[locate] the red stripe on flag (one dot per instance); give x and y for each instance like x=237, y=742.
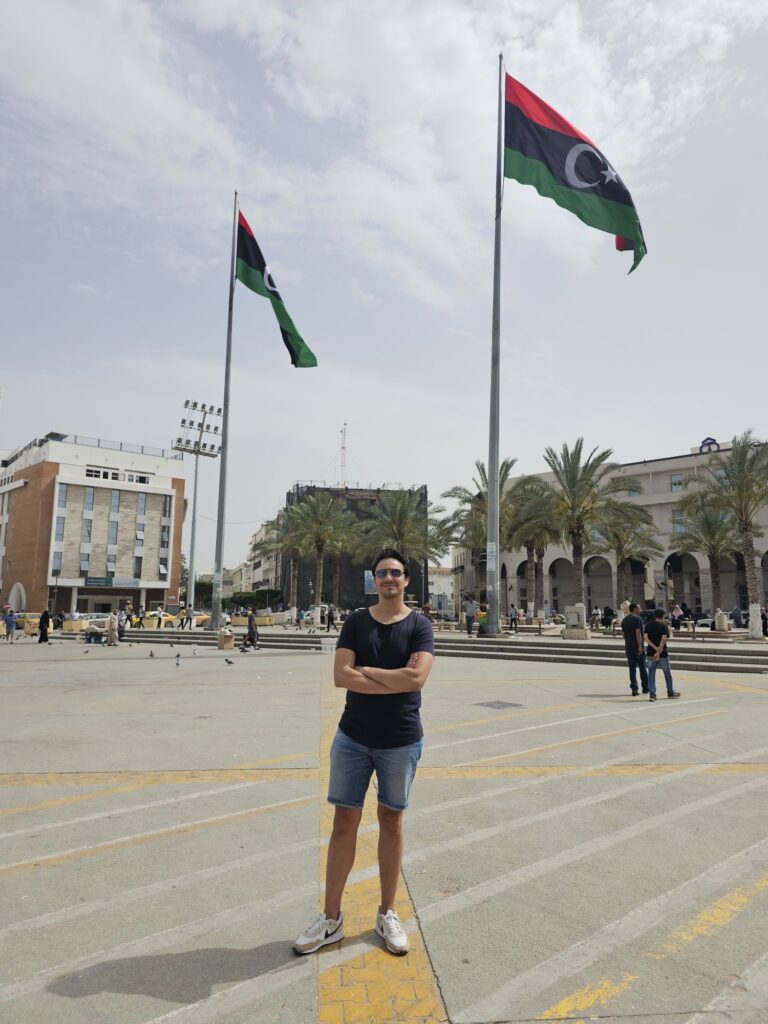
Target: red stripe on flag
x=538, y=111
x=244, y=223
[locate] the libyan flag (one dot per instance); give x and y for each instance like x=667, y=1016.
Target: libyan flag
x=542, y=149
x=251, y=268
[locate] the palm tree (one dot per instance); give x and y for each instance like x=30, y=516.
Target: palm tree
x=347, y=541
x=532, y=526
x=316, y=523
x=736, y=481
x=709, y=531
x=628, y=538
x=585, y=498
x=471, y=517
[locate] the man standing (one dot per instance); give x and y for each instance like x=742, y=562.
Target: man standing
x=512, y=618
x=471, y=608
x=332, y=613
x=657, y=634
x=383, y=658
x=632, y=628
x=10, y=625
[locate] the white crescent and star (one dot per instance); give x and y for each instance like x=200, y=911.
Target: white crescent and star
x=573, y=178
x=269, y=284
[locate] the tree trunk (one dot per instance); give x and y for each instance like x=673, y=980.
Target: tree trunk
x=294, y=584
x=539, y=601
x=714, y=573
x=336, y=578
x=753, y=581
x=319, y=552
x=620, y=581
x=578, y=567
x=530, y=580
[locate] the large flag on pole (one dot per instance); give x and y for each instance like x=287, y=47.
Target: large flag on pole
x=251, y=268
x=542, y=149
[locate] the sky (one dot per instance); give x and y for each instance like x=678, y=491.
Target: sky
x=361, y=137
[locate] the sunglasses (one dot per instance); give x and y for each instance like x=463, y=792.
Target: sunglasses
x=381, y=574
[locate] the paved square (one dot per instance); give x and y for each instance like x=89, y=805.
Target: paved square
x=571, y=852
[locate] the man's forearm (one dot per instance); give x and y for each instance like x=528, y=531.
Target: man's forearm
x=354, y=680
x=396, y=680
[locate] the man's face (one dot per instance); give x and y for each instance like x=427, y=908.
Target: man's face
x=388, y=585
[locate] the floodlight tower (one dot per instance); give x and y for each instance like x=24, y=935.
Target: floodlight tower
x=191, y=442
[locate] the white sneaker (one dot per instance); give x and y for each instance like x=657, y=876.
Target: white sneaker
x=322, y=932
x=389, y=928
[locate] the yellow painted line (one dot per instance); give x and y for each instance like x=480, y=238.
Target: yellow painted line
x=707, y=922
x=157, y=778
x=375, y=986
x=587, y=997
x=46, y=805
x=722, y=683
x=496, y=717
x=592, y=738
x=716, y=916
x=131, y=841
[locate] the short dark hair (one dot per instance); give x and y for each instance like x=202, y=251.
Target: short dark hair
x=634, y=607
x=658, y=613
x=390, y=553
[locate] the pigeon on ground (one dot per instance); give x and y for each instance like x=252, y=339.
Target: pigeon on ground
x=151, y=654
x=229, y=661
x=194, y=652
x=171, y=645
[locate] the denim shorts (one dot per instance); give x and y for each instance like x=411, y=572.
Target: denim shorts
x=352, y=765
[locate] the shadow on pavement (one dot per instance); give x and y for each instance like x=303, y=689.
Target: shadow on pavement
x=175, y=977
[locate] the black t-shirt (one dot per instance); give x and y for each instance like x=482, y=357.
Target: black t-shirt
x=655, y=631
x=391, y=720
x=629, y=627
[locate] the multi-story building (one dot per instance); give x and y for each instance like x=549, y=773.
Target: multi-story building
x=669, y=578
x=89, y=525
x=441, y=580
x=267, y=566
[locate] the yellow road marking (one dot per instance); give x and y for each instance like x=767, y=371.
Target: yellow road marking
x=375, y=986
x=150, y=837
x=717, y=915
x=588, y=997
x=592, y=738
x=499, y=717
x=157, y=778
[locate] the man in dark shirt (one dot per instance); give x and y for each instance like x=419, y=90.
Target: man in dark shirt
x=383, y=657
x=632, y=628
x=657, y=634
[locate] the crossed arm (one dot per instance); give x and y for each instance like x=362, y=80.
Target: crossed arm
x=381, y=681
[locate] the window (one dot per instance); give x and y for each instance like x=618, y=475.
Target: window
x=678, y=521
x=166, y=504
x=165, y=533
x=85, y=537
x=62, y=495
x=141, y=508
x=140, y=536
x=115, y=501
x=111, y=565
x=632, y=492
x=84, y=562
x=88, y=499
x=163, y=569
x=137, y=567
x=676, y=483
x=92, y=471
x=112, y=533
x=56, y=564
x=142, y=479
x=60, y=521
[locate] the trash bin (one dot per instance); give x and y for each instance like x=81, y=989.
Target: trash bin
x=328, y=645
x=226, y=640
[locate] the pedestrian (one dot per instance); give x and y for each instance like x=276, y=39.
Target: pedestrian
x=764, y=620
x=300, y=618
x=121, y=621
x=332, y=613
x=607, y=619
x=75, y=615
x=383, y=658
x=185, y=619
x=9, y=618
x=471, y=608
x=676, y=615
x=625, y=606
x=513, y=617
x=657, y=635
x=738, y=619
x=58, y=622
x=632, y=628
x=140, y=617
x=252, y=636
x=113, y=630
x=44, y=626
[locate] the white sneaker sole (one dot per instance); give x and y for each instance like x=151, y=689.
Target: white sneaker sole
x=392, y=949
x=336, y=936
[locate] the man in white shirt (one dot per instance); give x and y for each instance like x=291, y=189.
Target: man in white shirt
x=471, y=608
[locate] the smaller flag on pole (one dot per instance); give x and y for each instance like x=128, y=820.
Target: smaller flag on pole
x=252, y=270
x=542, y=149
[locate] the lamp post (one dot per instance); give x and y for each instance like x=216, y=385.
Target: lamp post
x=191, y=442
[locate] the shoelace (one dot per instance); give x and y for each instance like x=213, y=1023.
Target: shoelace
x=392, y=924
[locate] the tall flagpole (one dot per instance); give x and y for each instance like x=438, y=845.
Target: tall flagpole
x=492, y=551
x=220, y=515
